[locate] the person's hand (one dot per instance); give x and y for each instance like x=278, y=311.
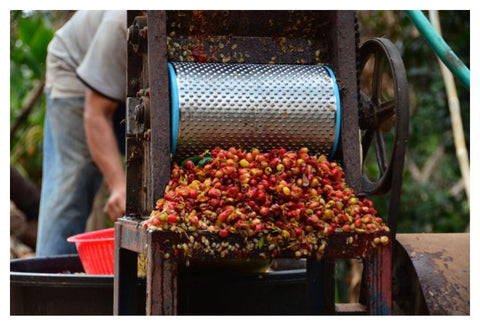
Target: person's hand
x=115, y=206
x=103, y=147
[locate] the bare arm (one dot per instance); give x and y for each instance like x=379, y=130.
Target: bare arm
x=103, y=148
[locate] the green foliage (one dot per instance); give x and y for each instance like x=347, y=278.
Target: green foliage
x=430, y=206
x=30, y=34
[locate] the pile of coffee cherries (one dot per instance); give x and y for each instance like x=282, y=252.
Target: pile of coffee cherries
x=281, y=200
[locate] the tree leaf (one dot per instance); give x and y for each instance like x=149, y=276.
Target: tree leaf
x=39, y=44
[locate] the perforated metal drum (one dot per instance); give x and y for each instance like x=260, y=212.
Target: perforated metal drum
x=253, y=106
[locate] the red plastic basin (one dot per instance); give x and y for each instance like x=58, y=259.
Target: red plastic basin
x=96, y=250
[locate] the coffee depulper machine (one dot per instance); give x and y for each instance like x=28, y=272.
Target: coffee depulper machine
x=264, y=79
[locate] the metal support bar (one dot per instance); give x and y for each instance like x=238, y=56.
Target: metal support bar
x=161, y=281
x=159, y=151
x=320, y=287
x=378, y=275
x=125, y=280
x=345, y=67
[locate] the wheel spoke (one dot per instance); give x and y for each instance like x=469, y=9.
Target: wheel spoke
x=386, y=110
x=364, y=100
x=385, y=115
x=366, y=142
x=380, y=151
x=377, y=78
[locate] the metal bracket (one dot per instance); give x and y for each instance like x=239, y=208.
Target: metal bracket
x=137, y=34
x=138, y=116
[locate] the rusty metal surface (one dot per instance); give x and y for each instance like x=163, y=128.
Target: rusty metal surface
x=134, y=59
x=158, y=154
x=378, y=276
x=126, y=294
x=407, y=295
x=134, y=148
x=131, y=235
x=137, y=138
x=288, y=23
x=161, y=281
x=249, y=36
x=163, y=251
x=291, y=37
x=212, y=246
x=442, y=266
x=343, y=48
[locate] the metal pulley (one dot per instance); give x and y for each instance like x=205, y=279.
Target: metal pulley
x=383, y=112
x=383, y=120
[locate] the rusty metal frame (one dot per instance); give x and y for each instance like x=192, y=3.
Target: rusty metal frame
x=345, y=55
x=162, y=278
x=148, y=153
x=149, y=165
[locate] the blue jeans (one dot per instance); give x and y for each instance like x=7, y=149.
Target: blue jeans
x=70, y=177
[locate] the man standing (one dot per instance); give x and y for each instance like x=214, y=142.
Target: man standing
x=85, y=82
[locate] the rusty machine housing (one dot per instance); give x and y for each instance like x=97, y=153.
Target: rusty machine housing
x=331, y=38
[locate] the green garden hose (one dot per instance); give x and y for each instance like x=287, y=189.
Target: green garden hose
x=441, y=48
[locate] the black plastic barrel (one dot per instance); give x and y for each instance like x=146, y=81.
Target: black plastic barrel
x=271, y=293
x=58, y=286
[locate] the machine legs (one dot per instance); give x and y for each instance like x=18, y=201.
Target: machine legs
x=161, y=283
x=162, y=280
x=320, y=287
x=378, y=279
x=125, y=301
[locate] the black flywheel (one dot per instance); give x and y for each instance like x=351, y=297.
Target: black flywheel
x=383, y=114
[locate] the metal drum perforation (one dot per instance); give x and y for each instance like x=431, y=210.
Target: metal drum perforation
x=254, y=106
